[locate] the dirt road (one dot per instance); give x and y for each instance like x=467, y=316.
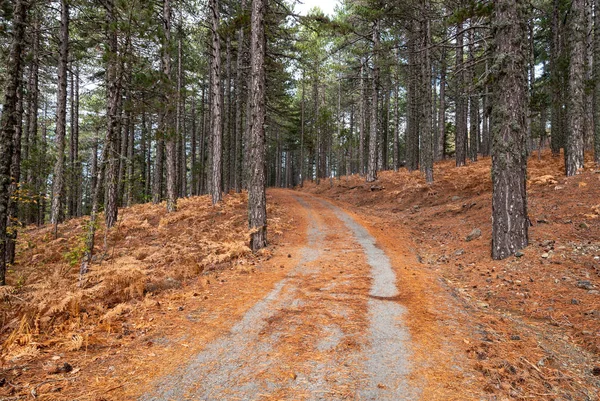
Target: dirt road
x=332, y=329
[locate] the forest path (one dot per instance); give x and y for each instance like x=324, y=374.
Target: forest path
x=332, y=329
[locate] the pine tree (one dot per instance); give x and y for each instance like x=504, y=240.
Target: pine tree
x=510, y=222
x=257, y=202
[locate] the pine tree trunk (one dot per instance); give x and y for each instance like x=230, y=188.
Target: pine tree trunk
x=372, y=166
x=257, y=203
x=426, y=111
x=203, y=147
x=32, y=176
x=114, y=82
x=473, y=101
x=441, y=137
x=157, y=181
x=15, y=175
x=556, y=140
x=413, y=88
x=575, y=133
x=228, y=142
x=130, y=162
x=596, y=70
x=194, y=148
x=485, y=132
x=363, y=121
x=170, y=136
x=61, y=118
x=302, y=112
x=510, y=222
x=217, y=108
x=396, y=156
x=239, y=107
x=461, y=123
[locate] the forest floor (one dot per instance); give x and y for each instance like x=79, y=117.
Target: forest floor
x=532, y=322
x=177, y=307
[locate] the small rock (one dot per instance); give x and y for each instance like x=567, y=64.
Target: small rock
x=547, y=243
x=64, y=368
x=476, y=233
x=575, y=301
x=593, y=292
x=585, y=285
x=180, y=308
x=459, y=252
x=519, y=254
x=545, y=255
x=482, y=305
x=596, y=370
x=515, y=337
x=584, y=226
x=543, y=221
x=568, y=222
x=455, y=198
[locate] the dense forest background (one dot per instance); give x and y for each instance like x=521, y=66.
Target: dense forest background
x=113, y=102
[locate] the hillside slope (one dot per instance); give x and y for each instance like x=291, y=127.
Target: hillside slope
x=535, y=318
x=62, y=340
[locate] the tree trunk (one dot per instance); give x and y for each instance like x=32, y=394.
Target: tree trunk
x=114, y=81
x=15, y=175
x=32, y=173
x=510, y=222
x=574, y=159
x=461, y=123
x=217, y=108
x=130, y=162
x=426, y=111
x=61, y=117
x=473, y=101
x=441, y=137
x=596, y=68
x=372, y=166
x=194, y=148
x=239, y=106
x=302, y=107
x=170, y=136
x=257, y=203
x=557, y=135
x=363, y=120
x=413, y=89
x=396, y=156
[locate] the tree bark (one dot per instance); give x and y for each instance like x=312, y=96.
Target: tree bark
x=15, y=176
x=473, y=101
x=426, y=111
x=510, y=222
x=372, y=166
x=557, y=135
x=574, y=159
x=217, y=108
x=61, y=118
x=596, y=73
x=396, y=156
x=114, y=81
x=363, y=120
x=461, y=124
x=32, y=174
x=170, y=136
x=239, y=106
x=441, y=137
x=257, y=203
